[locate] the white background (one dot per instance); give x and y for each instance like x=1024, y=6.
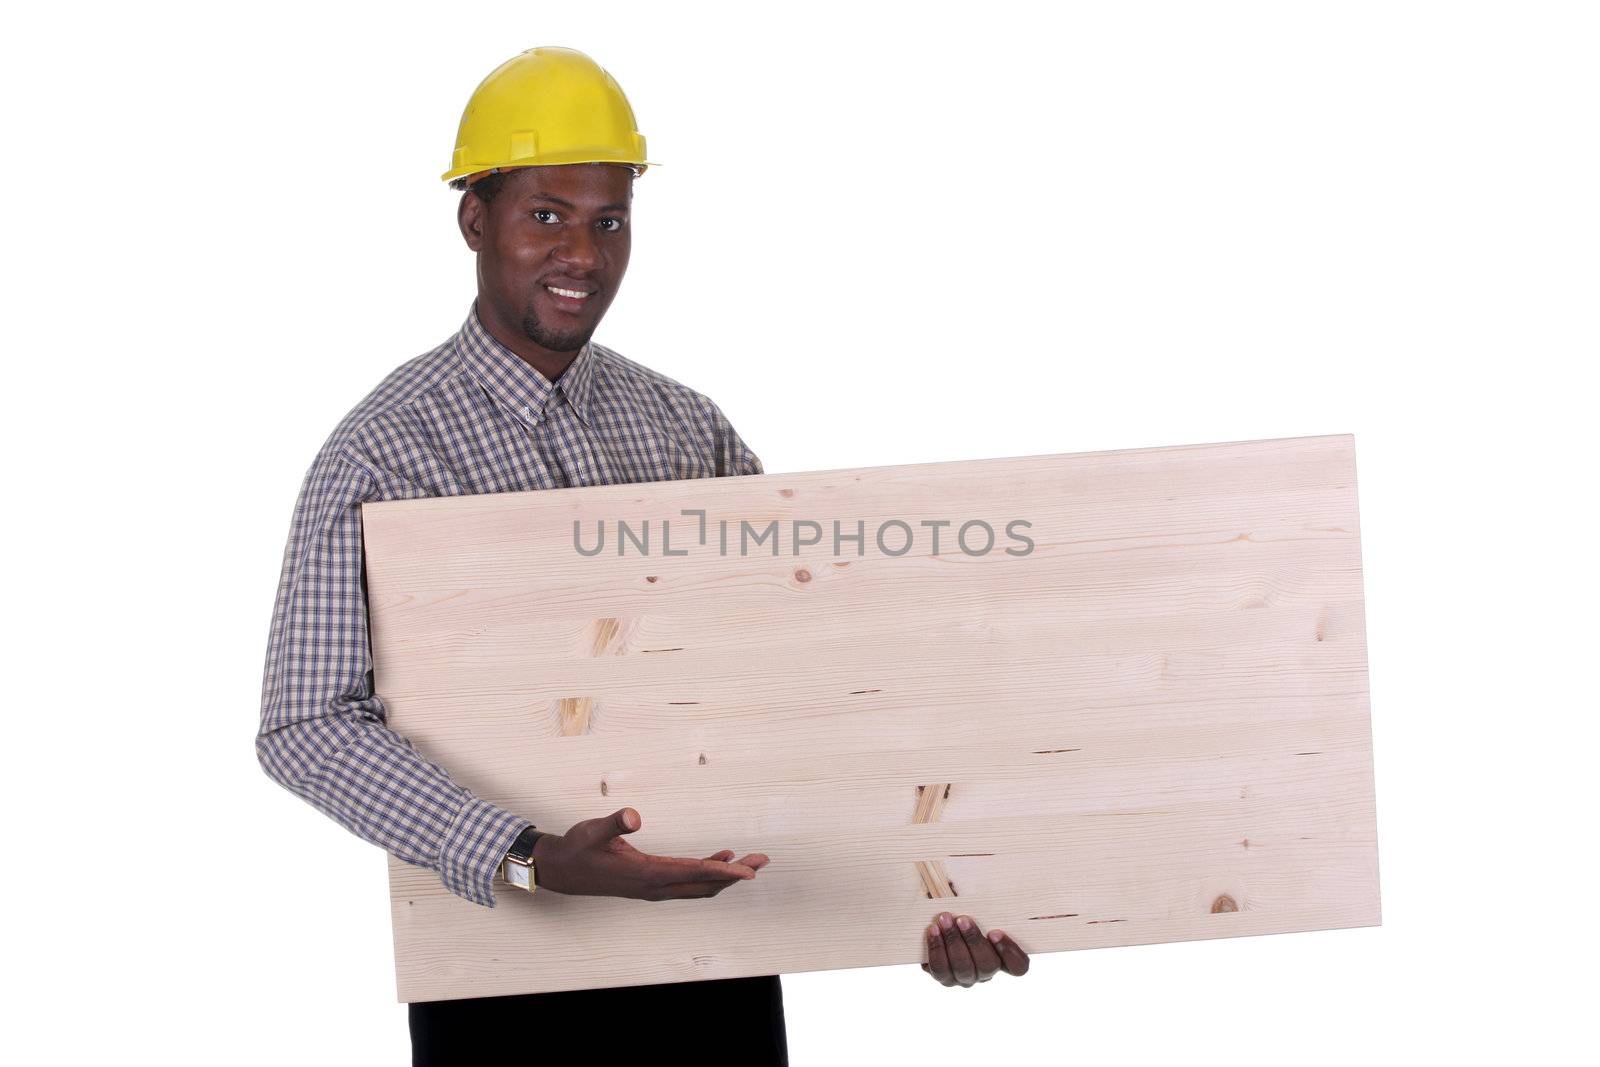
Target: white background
x=878, y=235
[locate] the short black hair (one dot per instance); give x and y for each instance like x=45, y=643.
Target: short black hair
x=485, y=187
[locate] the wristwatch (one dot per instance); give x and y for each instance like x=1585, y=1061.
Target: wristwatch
x=517, y=867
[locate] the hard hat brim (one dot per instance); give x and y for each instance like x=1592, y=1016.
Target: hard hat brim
x=479, y=168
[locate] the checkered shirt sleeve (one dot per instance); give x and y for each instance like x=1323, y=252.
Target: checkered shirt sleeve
x=322, y=731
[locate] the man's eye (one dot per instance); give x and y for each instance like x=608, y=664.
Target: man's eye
x=543, y=211
x=616, y=227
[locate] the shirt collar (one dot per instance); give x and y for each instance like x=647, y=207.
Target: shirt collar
x=514, y=383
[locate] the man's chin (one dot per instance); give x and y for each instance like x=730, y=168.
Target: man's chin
x=554, y=342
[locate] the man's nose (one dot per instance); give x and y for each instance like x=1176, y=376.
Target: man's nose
x=577, y=248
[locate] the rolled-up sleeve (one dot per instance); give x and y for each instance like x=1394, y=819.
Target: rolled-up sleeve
x=323, y=734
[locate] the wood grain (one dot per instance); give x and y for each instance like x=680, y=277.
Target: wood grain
x=1152, y=726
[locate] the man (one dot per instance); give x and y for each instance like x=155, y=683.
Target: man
x=519, y=399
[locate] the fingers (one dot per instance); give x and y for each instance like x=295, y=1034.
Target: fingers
x=960, y=954
x=666, y=869
x=955, y=948
x=686, y=890
x=1011, y=955
x=755, y=861
x=938, y=963
x=710, y=887
x=984, y=956
x=671, y=877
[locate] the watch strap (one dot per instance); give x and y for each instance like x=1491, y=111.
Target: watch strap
x=522, y=848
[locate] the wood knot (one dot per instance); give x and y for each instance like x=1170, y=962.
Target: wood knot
x=1224, y=903
x=573, y=715
x=650, y=577
x=702, y=759
x=786, y=492
x=802, y=575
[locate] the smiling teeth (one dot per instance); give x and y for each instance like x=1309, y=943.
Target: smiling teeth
x=575, y=294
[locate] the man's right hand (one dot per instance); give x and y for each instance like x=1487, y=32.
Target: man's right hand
x=592, y=859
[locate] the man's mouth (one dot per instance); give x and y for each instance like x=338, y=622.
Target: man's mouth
x=571, y=294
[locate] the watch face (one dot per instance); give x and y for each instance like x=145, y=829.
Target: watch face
x=517, y=875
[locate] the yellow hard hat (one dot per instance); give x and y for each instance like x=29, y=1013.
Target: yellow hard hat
x=546, y=106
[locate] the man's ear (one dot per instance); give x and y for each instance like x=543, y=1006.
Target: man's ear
x=472, y=215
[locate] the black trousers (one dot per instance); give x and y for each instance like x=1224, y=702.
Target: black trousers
x=739, y=1017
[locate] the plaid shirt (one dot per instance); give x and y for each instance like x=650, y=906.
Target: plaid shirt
x=468, y=417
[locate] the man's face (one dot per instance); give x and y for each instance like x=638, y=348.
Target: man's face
x=557, y=227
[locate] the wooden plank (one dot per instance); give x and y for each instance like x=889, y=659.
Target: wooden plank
x=1150, y=725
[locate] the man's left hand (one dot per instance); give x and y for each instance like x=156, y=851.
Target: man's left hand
x=959, y=953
